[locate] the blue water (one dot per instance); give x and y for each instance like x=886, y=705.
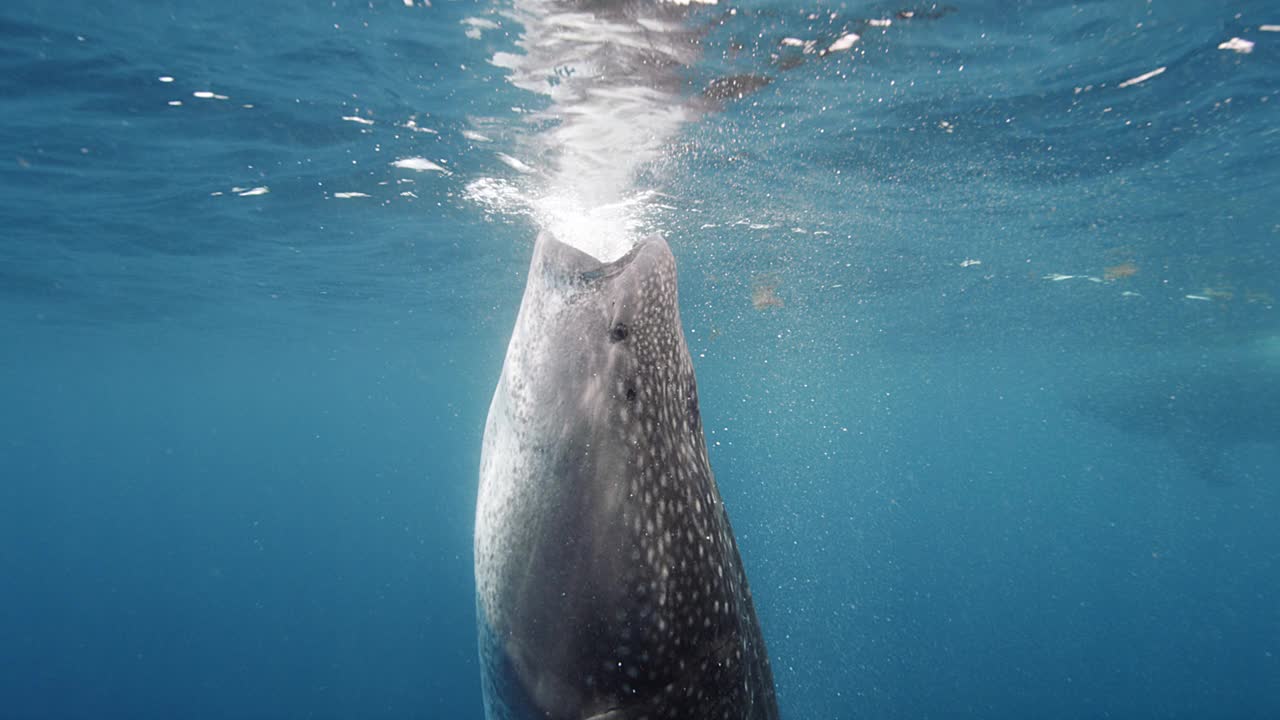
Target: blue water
x=241, y=428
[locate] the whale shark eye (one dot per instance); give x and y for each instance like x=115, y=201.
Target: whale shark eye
x=619, y=332
x=631, y=394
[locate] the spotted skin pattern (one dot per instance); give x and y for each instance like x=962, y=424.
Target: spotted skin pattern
x=609, y=584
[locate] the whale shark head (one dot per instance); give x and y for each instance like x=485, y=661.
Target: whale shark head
x=608, y=580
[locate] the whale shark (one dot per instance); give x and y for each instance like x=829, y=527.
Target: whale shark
x=1201, y=405
x=609, y=585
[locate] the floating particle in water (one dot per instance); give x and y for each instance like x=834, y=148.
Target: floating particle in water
x=1218, y=293
x=514, y=163
x=1118, y=272
x=844, y=43
x=764, y=292
x=1143, y=77
x=412, y=124
x=419, y=164
x=1240, y=45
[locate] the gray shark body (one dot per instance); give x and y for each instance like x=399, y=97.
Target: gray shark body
x=1201, y=406
x=608, y=580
